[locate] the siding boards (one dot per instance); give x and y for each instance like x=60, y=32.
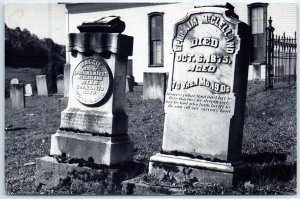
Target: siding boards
x=284, y=17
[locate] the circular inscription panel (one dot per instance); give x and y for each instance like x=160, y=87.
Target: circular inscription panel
x=91, y=81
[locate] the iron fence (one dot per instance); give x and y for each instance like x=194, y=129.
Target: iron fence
x=281, y=57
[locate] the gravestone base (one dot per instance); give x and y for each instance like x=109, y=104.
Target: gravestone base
x=103, y=149
x=181, y=169
x=94, y=121
x=81, y=176
x=137, y=186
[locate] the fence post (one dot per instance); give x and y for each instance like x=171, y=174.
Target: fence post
x=269, y=56
x=289, y=57
x=295, y=55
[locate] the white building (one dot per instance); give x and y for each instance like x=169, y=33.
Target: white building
x=152, y=26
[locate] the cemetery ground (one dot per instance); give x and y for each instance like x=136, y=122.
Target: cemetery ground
x=269, y=143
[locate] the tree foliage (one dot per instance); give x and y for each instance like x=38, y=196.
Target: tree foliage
x=23, y=49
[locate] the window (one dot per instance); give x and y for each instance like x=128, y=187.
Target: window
x=257, y=13
x=156, y=39
x=257, y=20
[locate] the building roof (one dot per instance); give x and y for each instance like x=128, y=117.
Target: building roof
x=90, y=7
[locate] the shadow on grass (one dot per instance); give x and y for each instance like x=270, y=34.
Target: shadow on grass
x=276, y=172
x=271, y=166
x=264, y=157
x=15, y=129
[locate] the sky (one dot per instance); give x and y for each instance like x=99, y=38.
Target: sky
x=46, y=20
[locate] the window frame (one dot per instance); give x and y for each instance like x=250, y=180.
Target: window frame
x=257, y=20
x=150, y=58
x=252, y=6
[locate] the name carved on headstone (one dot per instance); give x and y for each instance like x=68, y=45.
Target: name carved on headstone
x=94, y=124
x=204, y=48
x=91, y=81
x=205, y=101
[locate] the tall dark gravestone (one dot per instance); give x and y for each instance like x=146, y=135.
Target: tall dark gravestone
x=205, y=99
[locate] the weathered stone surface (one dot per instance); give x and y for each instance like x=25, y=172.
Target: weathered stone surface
x=129, y=83
x=181, y=168
x=205, y=100
x=207, y=88
x=17, y=96
x=28, y=90
x=81, y=179
x=139, y=187
x=111, y=24
x=94, y=122
x=129, y=77
x=91, y=81
x=14, y=81
x=256, y=72
x=102, y=42
x=129, y=68
x=103, y=150
x=41, y=84
x=154, y=86
x=67, y=68
x=60, y=84
x=108, y=102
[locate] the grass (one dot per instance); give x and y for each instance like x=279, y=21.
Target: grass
x=269, y=143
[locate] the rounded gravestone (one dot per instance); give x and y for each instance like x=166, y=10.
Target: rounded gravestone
x=91, y=81
x=14, y=81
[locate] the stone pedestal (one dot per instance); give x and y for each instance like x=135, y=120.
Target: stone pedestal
x=94, y=124
x=81, y=177
x=103, y=150
x=206, y=96
x=182, y=168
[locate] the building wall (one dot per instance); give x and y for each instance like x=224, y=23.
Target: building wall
x=284, y=16
x=136, y=20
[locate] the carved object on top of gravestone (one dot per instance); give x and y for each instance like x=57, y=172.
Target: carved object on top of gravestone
x=101, y=36
x=229, y=12
x=110, y=24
